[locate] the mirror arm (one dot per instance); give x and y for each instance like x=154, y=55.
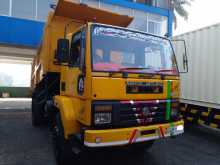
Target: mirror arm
x=84, y=70
x=185, y=59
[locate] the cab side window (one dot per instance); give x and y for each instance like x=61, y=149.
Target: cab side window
x=75, y=50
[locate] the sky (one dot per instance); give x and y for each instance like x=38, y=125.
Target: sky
x=202, y=13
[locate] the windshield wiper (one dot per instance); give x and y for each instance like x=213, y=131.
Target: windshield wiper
x=166, y=70
x=134, y=68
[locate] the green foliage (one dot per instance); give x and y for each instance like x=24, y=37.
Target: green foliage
x=178, y=6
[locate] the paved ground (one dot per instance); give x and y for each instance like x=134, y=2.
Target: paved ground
x=12, y=103
x=21, y=144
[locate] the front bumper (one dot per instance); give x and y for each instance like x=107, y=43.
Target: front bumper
x=125, y=136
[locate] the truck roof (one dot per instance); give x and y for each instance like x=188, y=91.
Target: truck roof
x=84, y=13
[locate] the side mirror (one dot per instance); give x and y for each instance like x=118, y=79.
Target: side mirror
x=185, y=62
x=62, y=53
x=179, y=48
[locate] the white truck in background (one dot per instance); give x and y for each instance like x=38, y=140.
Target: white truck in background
x=200, y=87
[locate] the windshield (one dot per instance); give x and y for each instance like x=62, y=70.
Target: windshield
x=119, y=50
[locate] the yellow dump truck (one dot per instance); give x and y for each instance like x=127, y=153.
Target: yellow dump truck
x=99, y=84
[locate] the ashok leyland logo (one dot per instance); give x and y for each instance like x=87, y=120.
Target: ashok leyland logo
x=80, y=85
x=146, y=111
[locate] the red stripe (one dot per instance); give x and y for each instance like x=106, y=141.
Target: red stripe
x=132, y=136
x=161, y=132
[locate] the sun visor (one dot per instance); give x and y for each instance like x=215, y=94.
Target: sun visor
x=84, y=13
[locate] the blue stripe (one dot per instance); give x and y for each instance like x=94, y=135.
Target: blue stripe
x=16, y=31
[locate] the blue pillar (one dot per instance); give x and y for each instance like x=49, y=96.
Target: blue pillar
x=170, y=23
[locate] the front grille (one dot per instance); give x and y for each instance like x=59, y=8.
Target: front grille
x=142, y=113
x=137, y=113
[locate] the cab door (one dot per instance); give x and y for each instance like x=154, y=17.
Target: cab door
x=73, y=77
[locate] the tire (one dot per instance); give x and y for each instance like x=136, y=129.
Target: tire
x=62, y=147
x=37, y=113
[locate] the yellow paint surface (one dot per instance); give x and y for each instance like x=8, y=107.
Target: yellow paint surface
x=112, y=135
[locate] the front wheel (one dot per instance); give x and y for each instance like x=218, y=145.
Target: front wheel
x=62, y=147
x=37, y=113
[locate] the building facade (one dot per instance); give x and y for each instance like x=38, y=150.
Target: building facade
x=22, y=22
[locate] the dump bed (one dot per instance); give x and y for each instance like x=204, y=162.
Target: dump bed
x=75, y=15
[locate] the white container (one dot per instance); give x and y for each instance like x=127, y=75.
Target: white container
x=201, y=85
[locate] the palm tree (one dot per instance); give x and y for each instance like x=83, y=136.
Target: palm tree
x=178, y=7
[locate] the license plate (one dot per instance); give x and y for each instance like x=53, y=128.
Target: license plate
x=171, y=131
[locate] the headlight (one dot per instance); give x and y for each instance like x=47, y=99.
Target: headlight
x=175, y=110
x=180, y=128
x=102, y=118
x=175, y=113
x=102, y=114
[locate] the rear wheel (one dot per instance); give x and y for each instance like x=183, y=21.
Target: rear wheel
x=62, y=147
x=37, y=113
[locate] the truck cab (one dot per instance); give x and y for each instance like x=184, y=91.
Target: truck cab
x=123, y=86
x=104, y=85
